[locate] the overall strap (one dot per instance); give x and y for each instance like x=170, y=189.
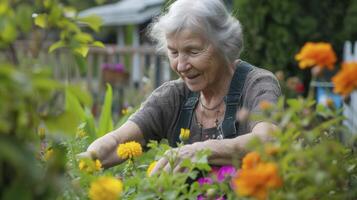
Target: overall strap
x=233, y=99
x=185, y=117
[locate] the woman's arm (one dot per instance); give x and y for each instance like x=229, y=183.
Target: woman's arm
x=105, y=147
x=223, y=151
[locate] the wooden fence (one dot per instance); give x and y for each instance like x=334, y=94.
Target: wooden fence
x=350, y=107
x=150, y=66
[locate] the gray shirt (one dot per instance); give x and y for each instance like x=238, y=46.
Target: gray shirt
x=158, y=115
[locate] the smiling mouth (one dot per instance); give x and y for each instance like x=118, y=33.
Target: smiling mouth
x=192, y=76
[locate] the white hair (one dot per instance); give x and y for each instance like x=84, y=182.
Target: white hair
x=209, y=18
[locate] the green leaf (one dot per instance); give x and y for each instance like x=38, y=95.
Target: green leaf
x=47, y=3
x=83, y=37
x=81, y=62
x=81, y=94
x=55, y=15
x=98, y=44
x=41, y=20
x=82, y=50
x=68, y=121
x=294, y=104
x=90, y=125
x=23, y=17
x=93, y=21
x=4, y=7
x=56, y=45
x=105, y=119
x=45, y=84
x=8, y=34
x=69, y=12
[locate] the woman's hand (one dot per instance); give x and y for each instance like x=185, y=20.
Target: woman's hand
x=105, y=147
x=174, y=157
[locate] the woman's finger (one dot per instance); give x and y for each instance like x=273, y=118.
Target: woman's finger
x=178, y=168
x=167, y=168
x=159, y=165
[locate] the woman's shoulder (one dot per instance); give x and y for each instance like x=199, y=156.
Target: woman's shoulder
x=177, y=86
x=259, y=80
x=258, y=72
x=174, y=89
x=259, y=75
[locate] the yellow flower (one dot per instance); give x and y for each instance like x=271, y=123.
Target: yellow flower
x=184, y=134
x=330, y=103
x=105, y=188
x=49, y=154
x=345, y=80
x=251, y=160
x=255, y=182
x=316, y=54
x=129, y=150
x=89, y=165
x=80, y=133
x=124, y=111
x=271, y=150
x=150, y=168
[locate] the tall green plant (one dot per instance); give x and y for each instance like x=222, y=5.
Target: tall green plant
x=33, y=158
x=105, y=120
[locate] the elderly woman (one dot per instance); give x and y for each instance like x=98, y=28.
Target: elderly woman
x=203, y=42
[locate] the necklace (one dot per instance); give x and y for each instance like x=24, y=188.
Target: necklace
x=216, y=121
x=204, y=116
x=206, y=133
x=213, y=108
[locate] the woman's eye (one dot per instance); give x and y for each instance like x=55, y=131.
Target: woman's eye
x=194, y=52
x=174, y=53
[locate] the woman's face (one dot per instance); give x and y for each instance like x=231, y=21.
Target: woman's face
x=194, y=59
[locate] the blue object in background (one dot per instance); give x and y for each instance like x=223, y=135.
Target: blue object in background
x=325, y=93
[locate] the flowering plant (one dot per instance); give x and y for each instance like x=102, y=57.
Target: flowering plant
x=345, y=80
x=319, y=54
x=312, y=156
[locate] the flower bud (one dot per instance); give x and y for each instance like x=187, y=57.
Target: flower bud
x=184, y=134
x=41, y=133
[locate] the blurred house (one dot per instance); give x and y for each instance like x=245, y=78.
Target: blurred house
x=140, y=55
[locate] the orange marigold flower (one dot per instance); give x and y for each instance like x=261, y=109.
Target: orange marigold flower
x=250, y=160
x=255, y=182
x=316, y=54
x=345, y=80
x=265, y=105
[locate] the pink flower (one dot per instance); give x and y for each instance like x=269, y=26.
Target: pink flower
x=224, y=172
x=204, y=180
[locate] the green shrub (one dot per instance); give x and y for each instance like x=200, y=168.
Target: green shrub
x=275, y=30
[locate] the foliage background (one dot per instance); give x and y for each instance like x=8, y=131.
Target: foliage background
x=275, y=30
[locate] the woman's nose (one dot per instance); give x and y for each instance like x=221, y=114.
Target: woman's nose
x=182, y=64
